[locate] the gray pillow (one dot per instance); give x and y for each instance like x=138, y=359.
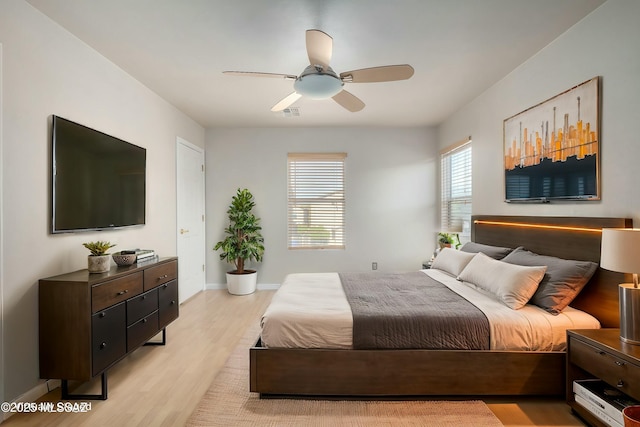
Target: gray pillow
x=495, y=252
x=562, y=282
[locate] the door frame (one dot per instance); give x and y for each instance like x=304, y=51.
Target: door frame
x=2, y=376
x=200, y=150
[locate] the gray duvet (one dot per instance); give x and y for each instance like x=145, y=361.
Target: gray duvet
x=411, y=311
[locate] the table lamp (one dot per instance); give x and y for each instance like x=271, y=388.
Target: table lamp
x=620, y=251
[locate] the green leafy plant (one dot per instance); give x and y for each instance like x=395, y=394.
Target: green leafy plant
x=448, y=239
x=98, y=248
x=244, y=240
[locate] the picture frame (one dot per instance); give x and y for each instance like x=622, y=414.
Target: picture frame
x=552, y=150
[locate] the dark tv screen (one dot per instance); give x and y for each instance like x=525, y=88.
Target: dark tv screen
x=98, y=181
x=572, y=178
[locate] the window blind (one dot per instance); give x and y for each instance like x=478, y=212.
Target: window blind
x=316, y=200
x=456, y=188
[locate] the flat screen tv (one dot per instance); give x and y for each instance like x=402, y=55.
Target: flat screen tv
x=98, y=181
x=551, y=149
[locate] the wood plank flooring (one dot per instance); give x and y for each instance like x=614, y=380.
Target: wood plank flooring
x=160, y=386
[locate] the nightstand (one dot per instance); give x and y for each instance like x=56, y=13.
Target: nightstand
x=599, y=353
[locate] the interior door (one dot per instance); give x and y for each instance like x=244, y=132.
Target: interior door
x=190, y=219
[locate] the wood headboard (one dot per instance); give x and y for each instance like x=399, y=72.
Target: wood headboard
x=563, y=237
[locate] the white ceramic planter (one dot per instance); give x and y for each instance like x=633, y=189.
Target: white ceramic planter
x=242, y=284
x=98, y=263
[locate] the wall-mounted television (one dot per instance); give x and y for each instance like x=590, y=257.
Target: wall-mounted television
x=98, y=181
x=551, y=149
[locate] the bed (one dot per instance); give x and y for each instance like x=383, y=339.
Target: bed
x=335, y=371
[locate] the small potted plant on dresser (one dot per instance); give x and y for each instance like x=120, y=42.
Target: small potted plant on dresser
x=99, y=261
x=243, y=242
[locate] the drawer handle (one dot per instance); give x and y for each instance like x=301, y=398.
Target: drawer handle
x=144, y=320
x=173, y=302
x=103, y=314
x=103, y=345
x=164, y=276
x=144, y=297
x=619, y=363
x=601, y=353
x=126, y=291
x=620, y=383
x=165, y=286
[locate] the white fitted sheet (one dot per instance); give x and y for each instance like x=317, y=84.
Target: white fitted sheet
x=310, y=310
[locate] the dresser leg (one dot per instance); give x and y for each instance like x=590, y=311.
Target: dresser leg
x=67, y=396
x=164, y=339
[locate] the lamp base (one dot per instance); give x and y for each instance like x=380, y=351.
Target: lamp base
x=629, y=313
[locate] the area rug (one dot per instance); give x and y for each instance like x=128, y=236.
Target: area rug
x=228, y=402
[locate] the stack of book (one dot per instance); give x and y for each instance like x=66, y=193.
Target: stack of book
x=141, y=254
x=602, y=400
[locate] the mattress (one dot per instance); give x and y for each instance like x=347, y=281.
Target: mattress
x=310, y=310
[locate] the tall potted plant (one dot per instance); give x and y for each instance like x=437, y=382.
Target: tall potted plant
x=243, y=242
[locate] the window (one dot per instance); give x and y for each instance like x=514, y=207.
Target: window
x=456, y=188
x=315, y=212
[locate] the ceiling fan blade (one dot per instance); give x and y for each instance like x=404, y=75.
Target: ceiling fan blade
x=387, y=73
x=286, y=101
x=319, y=48
x=349, y=101
x=252, y=74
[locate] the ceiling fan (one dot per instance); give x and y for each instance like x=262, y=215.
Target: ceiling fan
x=319, y=81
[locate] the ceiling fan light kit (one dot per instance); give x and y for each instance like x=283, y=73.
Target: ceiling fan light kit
x=316, y=84
x=319, y=81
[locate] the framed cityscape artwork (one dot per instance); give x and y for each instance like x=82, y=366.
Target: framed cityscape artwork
x=551, y=150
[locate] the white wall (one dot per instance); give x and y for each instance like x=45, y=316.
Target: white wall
x=390, y=186
x=605, y=44
x=48, y=71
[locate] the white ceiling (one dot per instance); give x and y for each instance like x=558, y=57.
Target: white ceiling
x=179, y=48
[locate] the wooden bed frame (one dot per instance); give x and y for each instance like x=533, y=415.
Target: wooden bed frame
x=380, y=373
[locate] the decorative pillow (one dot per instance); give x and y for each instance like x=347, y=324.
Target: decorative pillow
x=495, y=252
x=452, y=261
x=562, y=282
x=513, y=284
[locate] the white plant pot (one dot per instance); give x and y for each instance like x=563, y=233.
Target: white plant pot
x=242, y=284
x=98, y=263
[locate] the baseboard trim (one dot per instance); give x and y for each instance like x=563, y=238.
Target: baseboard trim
x=42, y=388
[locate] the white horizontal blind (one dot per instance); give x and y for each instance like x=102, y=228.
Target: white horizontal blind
x=456, y=187
x=315, y=213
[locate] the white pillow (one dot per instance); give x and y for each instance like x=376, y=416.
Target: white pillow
x=513, y=284
x=452, y=261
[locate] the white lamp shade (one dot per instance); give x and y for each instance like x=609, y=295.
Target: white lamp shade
x=620, y=250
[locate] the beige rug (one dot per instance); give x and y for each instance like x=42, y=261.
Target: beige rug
x=228, y=402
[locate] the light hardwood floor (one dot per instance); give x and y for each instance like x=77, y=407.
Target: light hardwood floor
x=160, y=386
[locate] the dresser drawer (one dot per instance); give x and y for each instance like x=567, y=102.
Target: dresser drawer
x=142, y=330
x=114, y=291
x=167, y=303
x=108, y=342
x=617, y=372
x=160, y=274
x=141, y=306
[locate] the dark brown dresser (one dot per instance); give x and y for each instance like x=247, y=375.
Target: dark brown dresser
x=88, y=322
